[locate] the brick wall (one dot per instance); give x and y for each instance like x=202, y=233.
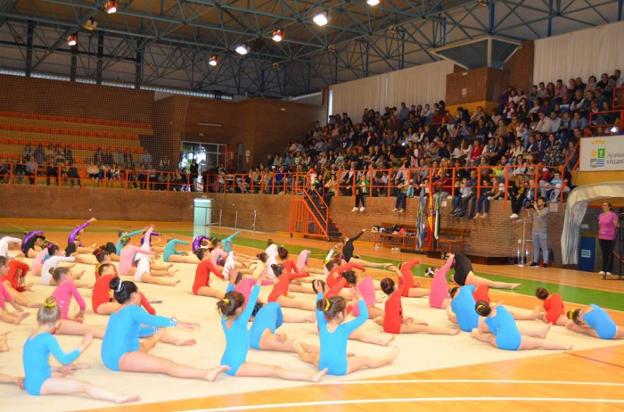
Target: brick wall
x=495, y=236
x=60, y=98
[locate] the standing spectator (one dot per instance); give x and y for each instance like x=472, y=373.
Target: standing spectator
x=516, y=194
x=403, y=187
x=69, y=155
x=539, y=232
x=28, y=152
x=361, y=191
x=31, y=169
x=194, y=169
x=607, y=223
x=39, y=154
x=146, y=159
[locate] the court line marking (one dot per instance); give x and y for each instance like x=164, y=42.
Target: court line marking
x=405, y=400
x=576, y=355
x=495, y=381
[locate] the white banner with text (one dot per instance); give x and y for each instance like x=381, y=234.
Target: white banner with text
x=602, y=153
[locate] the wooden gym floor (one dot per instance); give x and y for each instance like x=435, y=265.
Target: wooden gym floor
x=579, y=380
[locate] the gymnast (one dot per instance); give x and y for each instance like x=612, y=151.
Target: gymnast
x=41, y=379
x=465, y=276
x=505, y=334
x=124, y=238
x=334, y=334
x=347, y=250
x=553, y=307
x=304, y=265
x=63, y=293
x=32, y=243
x=121, y=349
x=393, y=320
x=439, y=293
x=201, y=242
x=594, y=321
x=235, y=315
x=146, y=244
x=462, y=310
x=73, y=240
x=408, y=287
x=170, y=254
x=54, y=259
x=366, y=289
x=38, y=260
x=6, y=242
x=280, y=289
x=13, y=275
x=143, y=271
x=10, y=317
x=381, y=339
x=201, y=285
x=101, y=300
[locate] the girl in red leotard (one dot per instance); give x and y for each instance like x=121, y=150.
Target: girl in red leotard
x=408, y=287
x=201, y=285
x=279, y=293
x=101, y=299
x=393, y=320
x=13, y=277
x=554, y=312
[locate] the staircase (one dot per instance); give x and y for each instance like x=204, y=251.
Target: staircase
x=310, y=215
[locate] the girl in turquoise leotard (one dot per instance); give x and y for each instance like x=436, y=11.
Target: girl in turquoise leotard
x=334, y=333
x=121, y=350
x=170, y=254
x=594, y=321
x=41, y=379
x=235, y=316
x=504, y=333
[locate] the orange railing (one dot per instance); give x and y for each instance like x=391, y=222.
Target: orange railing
x=436, y=180
x=609, y=118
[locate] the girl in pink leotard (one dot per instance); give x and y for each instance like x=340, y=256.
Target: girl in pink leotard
x=64, y=292
x=438, y=295
x=5, y=315
x=366, y=287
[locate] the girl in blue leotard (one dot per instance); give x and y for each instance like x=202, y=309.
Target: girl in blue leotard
x=266, y=319
x=594, y=321
x=121, y=350
x=504, y=333
x=235, y=315
x=333, y=333
x=40, y=378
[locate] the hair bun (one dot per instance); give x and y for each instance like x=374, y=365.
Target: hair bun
x=50, y=302
x=114, y=283
x=570, y=314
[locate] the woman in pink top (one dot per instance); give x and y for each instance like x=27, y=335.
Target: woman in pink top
x=607, y=223
x=438, y=295
x=63, y=294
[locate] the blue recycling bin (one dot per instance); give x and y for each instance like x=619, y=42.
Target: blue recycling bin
x=202, y=216
x=587, y=254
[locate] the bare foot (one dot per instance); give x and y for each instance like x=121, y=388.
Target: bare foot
x=213, y=374
x=318, y=376
x=185, y=342
x=128, y=399
x=386, y=340
x=514, y=286
x=453, y=332
x=392, y=355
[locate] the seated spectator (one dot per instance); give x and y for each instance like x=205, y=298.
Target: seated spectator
x=461, y=201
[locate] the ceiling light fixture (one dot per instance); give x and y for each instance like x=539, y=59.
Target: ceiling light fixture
x=321, y=19
x=111, y=6
x=72, y=40
x=242, y=49
x=213, y=61
x=278, y=35
x=372, y=3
